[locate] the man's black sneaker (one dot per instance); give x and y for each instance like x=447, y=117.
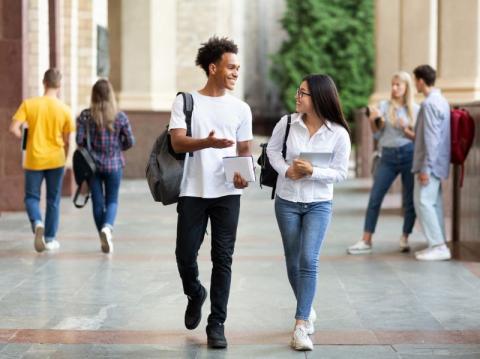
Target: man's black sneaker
x=193, y=313
x=215, y=336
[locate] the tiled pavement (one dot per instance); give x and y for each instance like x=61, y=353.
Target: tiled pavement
x=79, y=303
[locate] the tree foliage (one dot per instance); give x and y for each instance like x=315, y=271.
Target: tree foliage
x=333, y=37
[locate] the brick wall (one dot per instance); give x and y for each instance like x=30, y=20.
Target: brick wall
x=38, y=49
x=11, y=94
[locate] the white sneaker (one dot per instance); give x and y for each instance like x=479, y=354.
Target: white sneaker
x=300, y=339
x=39, y=241
x=404, y=246
x=106, y=240
x=360, y=248
x=52, y=245
x=309, y=323
x=422, y=251
x=437, y=253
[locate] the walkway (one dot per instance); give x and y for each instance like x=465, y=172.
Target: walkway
x=78, y=303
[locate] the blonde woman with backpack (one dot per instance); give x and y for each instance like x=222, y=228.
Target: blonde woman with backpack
x=110, y=134
x=392, y=124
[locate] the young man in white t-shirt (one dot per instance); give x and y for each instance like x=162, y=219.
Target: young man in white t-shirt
x=221, y=126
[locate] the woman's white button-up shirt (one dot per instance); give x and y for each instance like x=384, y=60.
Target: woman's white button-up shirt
x=331, y=137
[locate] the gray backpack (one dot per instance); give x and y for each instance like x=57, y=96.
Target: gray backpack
x=164, y=170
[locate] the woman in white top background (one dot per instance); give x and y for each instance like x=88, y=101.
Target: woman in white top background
x=303, y=203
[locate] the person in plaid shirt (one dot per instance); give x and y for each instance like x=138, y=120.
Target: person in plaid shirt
x=110, y=134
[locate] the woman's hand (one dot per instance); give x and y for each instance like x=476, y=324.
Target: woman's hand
x=293, y=173
x=409, y=133
x=374, y=113
x=303, y=167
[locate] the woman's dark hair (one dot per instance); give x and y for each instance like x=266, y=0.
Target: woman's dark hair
x=325, y=99
x=426, y=73
x=212, y=51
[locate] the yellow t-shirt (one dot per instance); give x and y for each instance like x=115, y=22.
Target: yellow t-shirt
x=48, y=119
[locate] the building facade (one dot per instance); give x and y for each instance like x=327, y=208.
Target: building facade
x=147, y=49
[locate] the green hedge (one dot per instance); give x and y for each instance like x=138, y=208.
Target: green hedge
x=333, y=37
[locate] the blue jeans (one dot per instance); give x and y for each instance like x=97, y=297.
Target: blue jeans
x=303, y=227
x=33, y=183
x=104, y=187
x=429, y=206
x=394, y=161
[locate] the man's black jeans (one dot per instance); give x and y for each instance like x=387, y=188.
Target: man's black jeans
x=193, y=215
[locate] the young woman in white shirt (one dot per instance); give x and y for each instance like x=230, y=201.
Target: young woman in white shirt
x=304, y=193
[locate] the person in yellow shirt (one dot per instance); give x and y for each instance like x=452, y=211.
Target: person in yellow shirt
x=49, y=122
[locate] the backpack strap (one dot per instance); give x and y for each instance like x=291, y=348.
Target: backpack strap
x=188, y=111
x=284, y=148
x=287, y=130
x=88, y=135
x=77, y=194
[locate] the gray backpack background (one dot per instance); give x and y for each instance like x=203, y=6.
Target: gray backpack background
x=164, y=170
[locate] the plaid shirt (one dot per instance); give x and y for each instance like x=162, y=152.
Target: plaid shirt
x=106, y=147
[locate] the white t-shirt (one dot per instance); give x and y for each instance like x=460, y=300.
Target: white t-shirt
x=231, y=118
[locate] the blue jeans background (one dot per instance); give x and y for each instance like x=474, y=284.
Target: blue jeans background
x=394, y=161
x=33, y=184
x=429, y=206
x=104, y=188
x=303, y=227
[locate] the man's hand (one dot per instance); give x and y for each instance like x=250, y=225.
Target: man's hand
x=423, y=178
x=16, y=129
x=218, y=142
x=239, y=182
x=303, y=166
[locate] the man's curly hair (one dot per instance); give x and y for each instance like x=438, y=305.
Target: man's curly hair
x=212, y=51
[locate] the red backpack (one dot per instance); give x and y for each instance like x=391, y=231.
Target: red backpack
x=462, y=129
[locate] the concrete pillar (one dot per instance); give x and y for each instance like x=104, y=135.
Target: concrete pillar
x=38, y=49
x=387, y=45
x=264, y=35
x=405, y=37
x=69, y=92
x=418, y=33
x=13, y=76
x=212, y=17
x=115, y=43
x=148, y=52
x=459, y=52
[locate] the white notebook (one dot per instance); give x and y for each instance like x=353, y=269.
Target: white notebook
x=241, y=164
x=317, y=159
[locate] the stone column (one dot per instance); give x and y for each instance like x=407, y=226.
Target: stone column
x=387, y=45
x=148, y=52
x=418, y=34
x=459, y=52
x=13, y=74
x=212, y=17
x=115, y=44
x=405, y=37
x=39, y=45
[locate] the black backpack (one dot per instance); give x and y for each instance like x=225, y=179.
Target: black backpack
x=268, y=176
x=164, y=170
x=83, y=169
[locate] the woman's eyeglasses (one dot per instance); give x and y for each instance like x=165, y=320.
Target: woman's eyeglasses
x=301, y=93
